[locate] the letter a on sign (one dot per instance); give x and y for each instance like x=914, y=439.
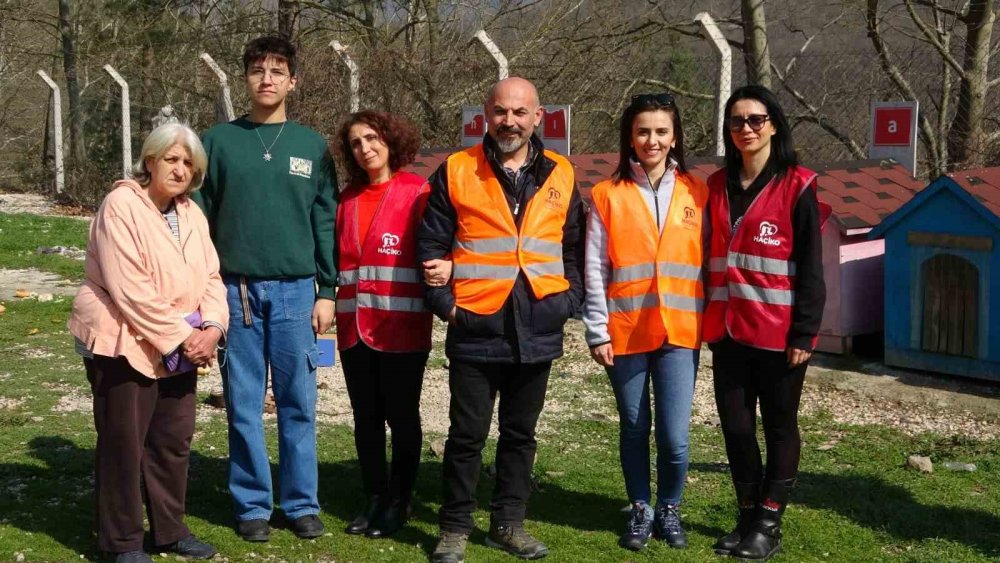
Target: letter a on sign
x=893, y=127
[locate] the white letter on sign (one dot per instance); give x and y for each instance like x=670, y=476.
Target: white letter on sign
x=892, y=126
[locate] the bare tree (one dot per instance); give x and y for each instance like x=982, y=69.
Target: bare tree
x=77, y=146
x=756, y=54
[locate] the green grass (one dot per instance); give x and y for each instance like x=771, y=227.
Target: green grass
x=855, y=502
x=21, y=234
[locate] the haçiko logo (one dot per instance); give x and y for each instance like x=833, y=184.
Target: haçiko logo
x=688, y=213
x=767, y=230
x=389, y=244
x=554, y=194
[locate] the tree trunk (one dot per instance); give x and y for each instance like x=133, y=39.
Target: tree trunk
x=967, y=140
x=77, y=148
x=288, y=13
x=755, y=51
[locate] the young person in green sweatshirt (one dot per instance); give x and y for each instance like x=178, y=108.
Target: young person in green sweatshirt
x=269, y=195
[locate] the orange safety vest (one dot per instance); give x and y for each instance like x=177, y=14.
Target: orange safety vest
x=656, y=293
x=489, y=252
x=751, y=281
x=379, y=298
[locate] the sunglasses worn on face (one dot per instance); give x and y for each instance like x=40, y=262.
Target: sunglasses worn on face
x=664, y=99
x=756, y=122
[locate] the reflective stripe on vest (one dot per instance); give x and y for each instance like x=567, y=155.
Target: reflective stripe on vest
x=391, y=303
x=490, y=250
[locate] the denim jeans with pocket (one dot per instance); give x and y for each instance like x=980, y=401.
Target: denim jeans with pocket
x=270, y=330
x=672, y=371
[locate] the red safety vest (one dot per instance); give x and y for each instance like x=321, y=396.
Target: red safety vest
x=379, y=297
x=751, y=281
x=655, y=294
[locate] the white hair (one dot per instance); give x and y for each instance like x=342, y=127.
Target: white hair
x=159, y=142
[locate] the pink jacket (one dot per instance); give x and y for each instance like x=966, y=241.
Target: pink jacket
x=140, y=282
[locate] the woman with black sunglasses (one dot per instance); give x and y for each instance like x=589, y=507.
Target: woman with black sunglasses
x=643, y=310
x=766, y=295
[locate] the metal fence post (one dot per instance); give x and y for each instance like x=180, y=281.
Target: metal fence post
x=126, y=122
x=227, y=101
x=714, y=35
x=352, y=67
x=57, y=121
x=502, y=70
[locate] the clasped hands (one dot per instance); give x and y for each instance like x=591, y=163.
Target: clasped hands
x=199, y=348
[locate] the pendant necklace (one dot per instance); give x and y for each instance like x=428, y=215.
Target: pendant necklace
x=267, y=149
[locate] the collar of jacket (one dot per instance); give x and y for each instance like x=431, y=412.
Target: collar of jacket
x=540, y=168
x=639, y=175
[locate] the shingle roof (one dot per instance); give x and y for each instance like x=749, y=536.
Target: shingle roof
x=983, y=184
x=861, y=192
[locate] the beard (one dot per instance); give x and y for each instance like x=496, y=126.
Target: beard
x=510, y=144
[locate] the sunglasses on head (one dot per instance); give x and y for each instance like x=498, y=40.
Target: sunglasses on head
x=756, y=122
x=664, y=99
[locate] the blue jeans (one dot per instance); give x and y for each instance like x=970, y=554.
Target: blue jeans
x=280, y=336
x=672, y=371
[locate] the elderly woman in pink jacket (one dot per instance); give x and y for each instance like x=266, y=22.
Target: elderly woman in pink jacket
x=151, y=310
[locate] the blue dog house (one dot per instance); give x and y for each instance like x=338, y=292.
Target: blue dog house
x=942, y=283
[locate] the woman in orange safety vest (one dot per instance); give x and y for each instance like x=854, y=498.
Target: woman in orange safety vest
x=383, y=329
x=643, y=309
x=766, y=295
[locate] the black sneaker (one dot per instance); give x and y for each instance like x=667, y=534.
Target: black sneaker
x=668, y=526
x=639, y=527
x=516, y=541
x=191, y=547
x=308, y=526
x=137, y=556
x=450, y=548
x=256, y=530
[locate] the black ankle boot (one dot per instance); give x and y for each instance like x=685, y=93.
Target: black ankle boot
x=747, y=499
x=764, y=538
x=362, y=521
x=389, y=519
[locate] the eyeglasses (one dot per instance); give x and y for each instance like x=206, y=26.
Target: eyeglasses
x=756, y=122
x=664, y=100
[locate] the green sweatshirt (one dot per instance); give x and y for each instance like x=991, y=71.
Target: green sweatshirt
x=271, y=219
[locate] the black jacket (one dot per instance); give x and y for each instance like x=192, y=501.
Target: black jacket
x=525, y=329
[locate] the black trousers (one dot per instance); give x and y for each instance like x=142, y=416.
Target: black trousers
x=474, y=388
x=384, y=387
x=743, y=376
x=144, y=429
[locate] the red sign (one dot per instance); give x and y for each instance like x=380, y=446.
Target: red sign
x=476, y=127
x=892, y=126
x=555, y=124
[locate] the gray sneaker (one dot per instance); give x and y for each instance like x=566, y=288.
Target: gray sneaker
x=450, y=548
x=516, y=541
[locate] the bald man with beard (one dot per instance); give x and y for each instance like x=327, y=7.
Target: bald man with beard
x=508, y=213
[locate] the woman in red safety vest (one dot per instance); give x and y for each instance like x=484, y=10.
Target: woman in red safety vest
x=765, y=295
x=643, y=306
x=383, y=329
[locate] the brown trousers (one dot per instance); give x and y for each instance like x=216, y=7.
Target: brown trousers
x=144, y=429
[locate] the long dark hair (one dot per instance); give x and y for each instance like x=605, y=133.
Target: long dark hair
x=642, y=103
x=783, y=154
x=399, y=134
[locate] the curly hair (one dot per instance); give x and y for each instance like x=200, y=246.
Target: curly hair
x=399, y=134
